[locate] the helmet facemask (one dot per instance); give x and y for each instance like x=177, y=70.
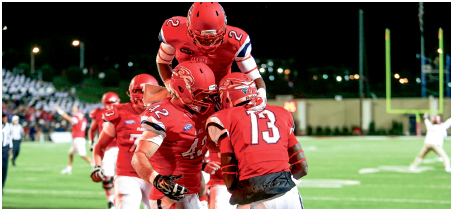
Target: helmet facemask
x=206, y=26
x=136, y=97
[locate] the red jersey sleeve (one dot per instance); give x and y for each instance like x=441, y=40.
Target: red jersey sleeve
x=154, y=119
x=217, y=125
x=291, y=126
x=93, y=113
x=172, y=28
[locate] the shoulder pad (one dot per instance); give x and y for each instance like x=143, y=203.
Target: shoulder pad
x=94, y=112
x=171, y=28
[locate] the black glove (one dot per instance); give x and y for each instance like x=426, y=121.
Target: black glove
x=97, y=175
x=166, y=185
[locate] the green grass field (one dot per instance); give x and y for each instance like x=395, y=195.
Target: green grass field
x=344, y=173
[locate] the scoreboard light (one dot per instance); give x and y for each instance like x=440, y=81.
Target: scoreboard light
x=290, y=106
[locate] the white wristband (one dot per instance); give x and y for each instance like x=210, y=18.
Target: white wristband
x=153, y=176
x=60, y=111
x=261, y=92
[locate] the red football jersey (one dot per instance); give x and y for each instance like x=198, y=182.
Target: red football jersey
x=96, y=114
x=181, y=150
x=260, y=140
x=128, y=128
x=235, y=45
x=78, y=129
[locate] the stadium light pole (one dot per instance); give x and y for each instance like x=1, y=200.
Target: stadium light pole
x=361, y=52
x=34, y=51
x=82, y=52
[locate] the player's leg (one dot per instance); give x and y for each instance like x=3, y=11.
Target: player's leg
x=109, y=165
x=68, y=169
x=441, y=153
x=127, y=193
x=290, y=200
x=190, y=201
x=79, y=145
x=420, y=156
x=163, y=203
x=220, y=198
x=145, y=189
x=16, y=148
x=4, y=165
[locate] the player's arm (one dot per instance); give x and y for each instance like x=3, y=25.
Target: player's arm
x=211, y=145
x=247, y=65
x=426, y=120
x=202, y=190
x=148, y=144
x=107, y=135
x=146, y=147
x=447, y=124
x=92, y=133
x=65, y=115
x=297, y=160
x=164, y=58
x=229, y=164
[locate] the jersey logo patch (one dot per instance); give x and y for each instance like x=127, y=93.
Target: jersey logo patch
x=129, y=122
x=244, y=90
x=188, y=127
x=187, y=51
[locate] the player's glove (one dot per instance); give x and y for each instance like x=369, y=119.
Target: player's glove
x=97, y=175
x=258, y=103
x=91, y=145
x=425, y=116
x=166, y=185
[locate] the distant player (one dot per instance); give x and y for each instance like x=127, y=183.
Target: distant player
x=205, y=37
x=111, y=151
x=174, y=137
x=434, y=140
x=260, y=155
x=79, y=125
x=219, y=197
x=123, y=123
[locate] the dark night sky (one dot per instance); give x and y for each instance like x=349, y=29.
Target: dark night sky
x=316, y=34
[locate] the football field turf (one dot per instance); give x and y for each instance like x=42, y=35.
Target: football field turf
x=343, y=173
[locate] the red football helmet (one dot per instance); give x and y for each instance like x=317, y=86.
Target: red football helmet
x=206, y=25
x=109, y=99
x=136, y=88
x=194, y=84
x=236, y=88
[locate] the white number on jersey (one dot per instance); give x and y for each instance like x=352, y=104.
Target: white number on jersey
x=265, y=134
x=193, y=149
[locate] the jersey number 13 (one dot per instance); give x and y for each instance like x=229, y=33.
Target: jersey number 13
x=266, y=135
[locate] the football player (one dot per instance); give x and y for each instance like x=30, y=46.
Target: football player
x=215, y=187
x=204, y=36
x=174, y=137
x=79, y=125
x=111, y=151
x=434, y=140
x=260, y=155
x=123, y=123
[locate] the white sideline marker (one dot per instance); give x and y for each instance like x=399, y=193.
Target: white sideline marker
x=378, y=200
x=51, y=192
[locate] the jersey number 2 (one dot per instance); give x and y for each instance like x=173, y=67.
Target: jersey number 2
x=265, y=134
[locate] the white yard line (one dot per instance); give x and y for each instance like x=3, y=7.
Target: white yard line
x=378, y=200
x=51, y=192
x=364, y=138
x=44, y=168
